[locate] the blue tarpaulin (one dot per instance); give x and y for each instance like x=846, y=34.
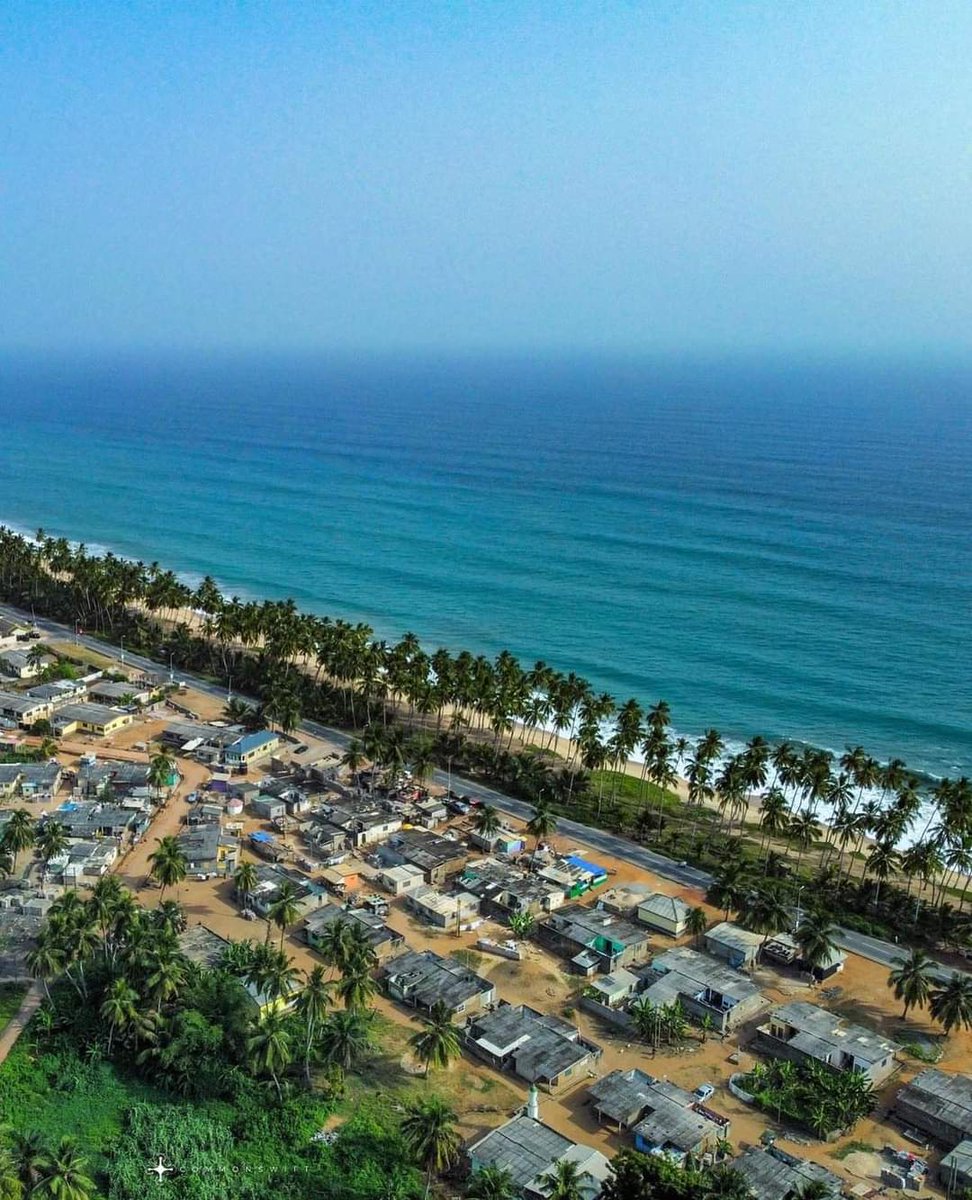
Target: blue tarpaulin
x=583, y=865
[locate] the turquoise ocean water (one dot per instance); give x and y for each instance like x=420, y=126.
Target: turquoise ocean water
x=783, y=549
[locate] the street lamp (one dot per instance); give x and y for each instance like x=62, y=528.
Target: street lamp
x=122, y=640
x=171, y=676
x=229, y=690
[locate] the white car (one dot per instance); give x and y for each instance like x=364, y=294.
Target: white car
x=703, y=1092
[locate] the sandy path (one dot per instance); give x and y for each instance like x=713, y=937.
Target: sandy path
x=19, y=1022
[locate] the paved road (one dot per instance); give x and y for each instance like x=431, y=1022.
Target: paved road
x=610, y=844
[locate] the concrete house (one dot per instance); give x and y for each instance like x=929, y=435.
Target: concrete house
x=250, y=748
x=802, y=1032
x=441, y=909
x=937, y=1104
x=438, y=858
x=40, y=781
x=783, y=950
x=624, y=899
x=271, y=880
x=664, y=1118
x=667, y=914
x=615, y=989
x=503, y=841
x=400, y=881
x=773, y=1174
x=10, y=776
x=18, y=664
x=90, y=718
x=592, y=940
x=208, y=850
x=528, y=1149
x=955, y=1169
x=110, y=691
x=59, y=692
x=704, y=986
x=23, y=709
x=384, y=941
x=91, y=819
x=119, y=777
x=86, y=860
x=541, y=1049
x=504, y=889
x=737, y=946
x=420, y=978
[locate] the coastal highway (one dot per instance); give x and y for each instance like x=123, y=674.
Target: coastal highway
x=612, y=845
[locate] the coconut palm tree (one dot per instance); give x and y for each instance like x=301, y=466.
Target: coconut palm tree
x=285, y=910
x=118, y=1007
x=311, y=1006
x=344, y=1038
x=429, y=1130
x=491, y=1183
x=45, y=961
x=356, y=987
x=764, y=912
x=815, y=937
x=161, y=769
x=269, y=1047
x=30, y=1157
x=18, y=834
x=10, y=1186
x=486, y=822
x=51, y=841
x=912, y=980
x=438, y=1043
x=563, y=1182
x=540, y=826
x=522, y=924
x=245, y=880
x=169, y=865
x=65, y=1175
x=951, y=1004
x=697, y=922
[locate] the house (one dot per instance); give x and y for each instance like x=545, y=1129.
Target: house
x=90, y=718
x=429, y=812
x=269, y=808
x=307, y=895
x=91, y=819
x=704, y=986
x=204, y=814
x=363, y=820
x=341, y=877
x=109, y=691
x=504, y=889
x=420, y=978
x=529, y=1150
x=267, y=846
x=85, y=860
x=24, y=709
x=955, y=1169
x=624, y=899
x=503, y=841
x=773, y=1174
x=40, y=781
x=402, y=880
x=614, y=989
x=783, y=949
x=438, y=858
x=243, y=751
x=737, y=946
x=202, y=946
x=12, y=631
x=19, y=664
x=664, y=1118
x=208, y=850
x=594, y=941
x=938, y=1104
x=59, y=692
x=667, y=914
x=541, y=1049
x=10, y=776
x=441, y=909
x=384, y=941
x=802, y=1032
x=119, y=777
x=575, y=874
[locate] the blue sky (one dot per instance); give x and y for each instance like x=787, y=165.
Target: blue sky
x=632, y=176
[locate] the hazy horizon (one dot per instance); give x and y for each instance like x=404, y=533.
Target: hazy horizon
x=451, y=178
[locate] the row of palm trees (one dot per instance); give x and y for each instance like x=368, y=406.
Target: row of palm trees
x=306, y=664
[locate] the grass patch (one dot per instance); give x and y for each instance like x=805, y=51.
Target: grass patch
x=11, y=998
x=631, y=791
x=925, y=1051
x=81, y=654
x=855, y=1147
x=469, y=958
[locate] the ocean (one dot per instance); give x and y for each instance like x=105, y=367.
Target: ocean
x=774, y=548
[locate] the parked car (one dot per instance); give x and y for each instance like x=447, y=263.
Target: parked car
x=703, y=1092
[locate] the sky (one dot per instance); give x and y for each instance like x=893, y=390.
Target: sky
x=486, y=176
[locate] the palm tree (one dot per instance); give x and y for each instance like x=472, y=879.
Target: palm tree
x=486, y=821
x=30, y=1157
x=51, y=840
x=312, y=1007
x=764, y=912
x=697, y=922
x=356, y=987
x=118, y=1007
x=269, y=1047
x=429, y=1130
x=285, y=910
x=65, y=1176
x=815, y=937
x=491, y=1183
x=10, y=1186
x=245, y=880
x=18, y=834
x=438, y=1043
x=563, y=1182
x=541, y=825
x=344, y=1038
x=45, y=961
x=912, y=980
x=169, y=865
x=161, y=768
x=165, y=979
x=951, y=1004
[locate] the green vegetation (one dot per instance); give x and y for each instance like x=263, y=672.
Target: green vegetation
x=811, y=1095
x=855, y=1147
x=11, y=998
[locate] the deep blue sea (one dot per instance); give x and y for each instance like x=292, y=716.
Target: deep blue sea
x=774, y=548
